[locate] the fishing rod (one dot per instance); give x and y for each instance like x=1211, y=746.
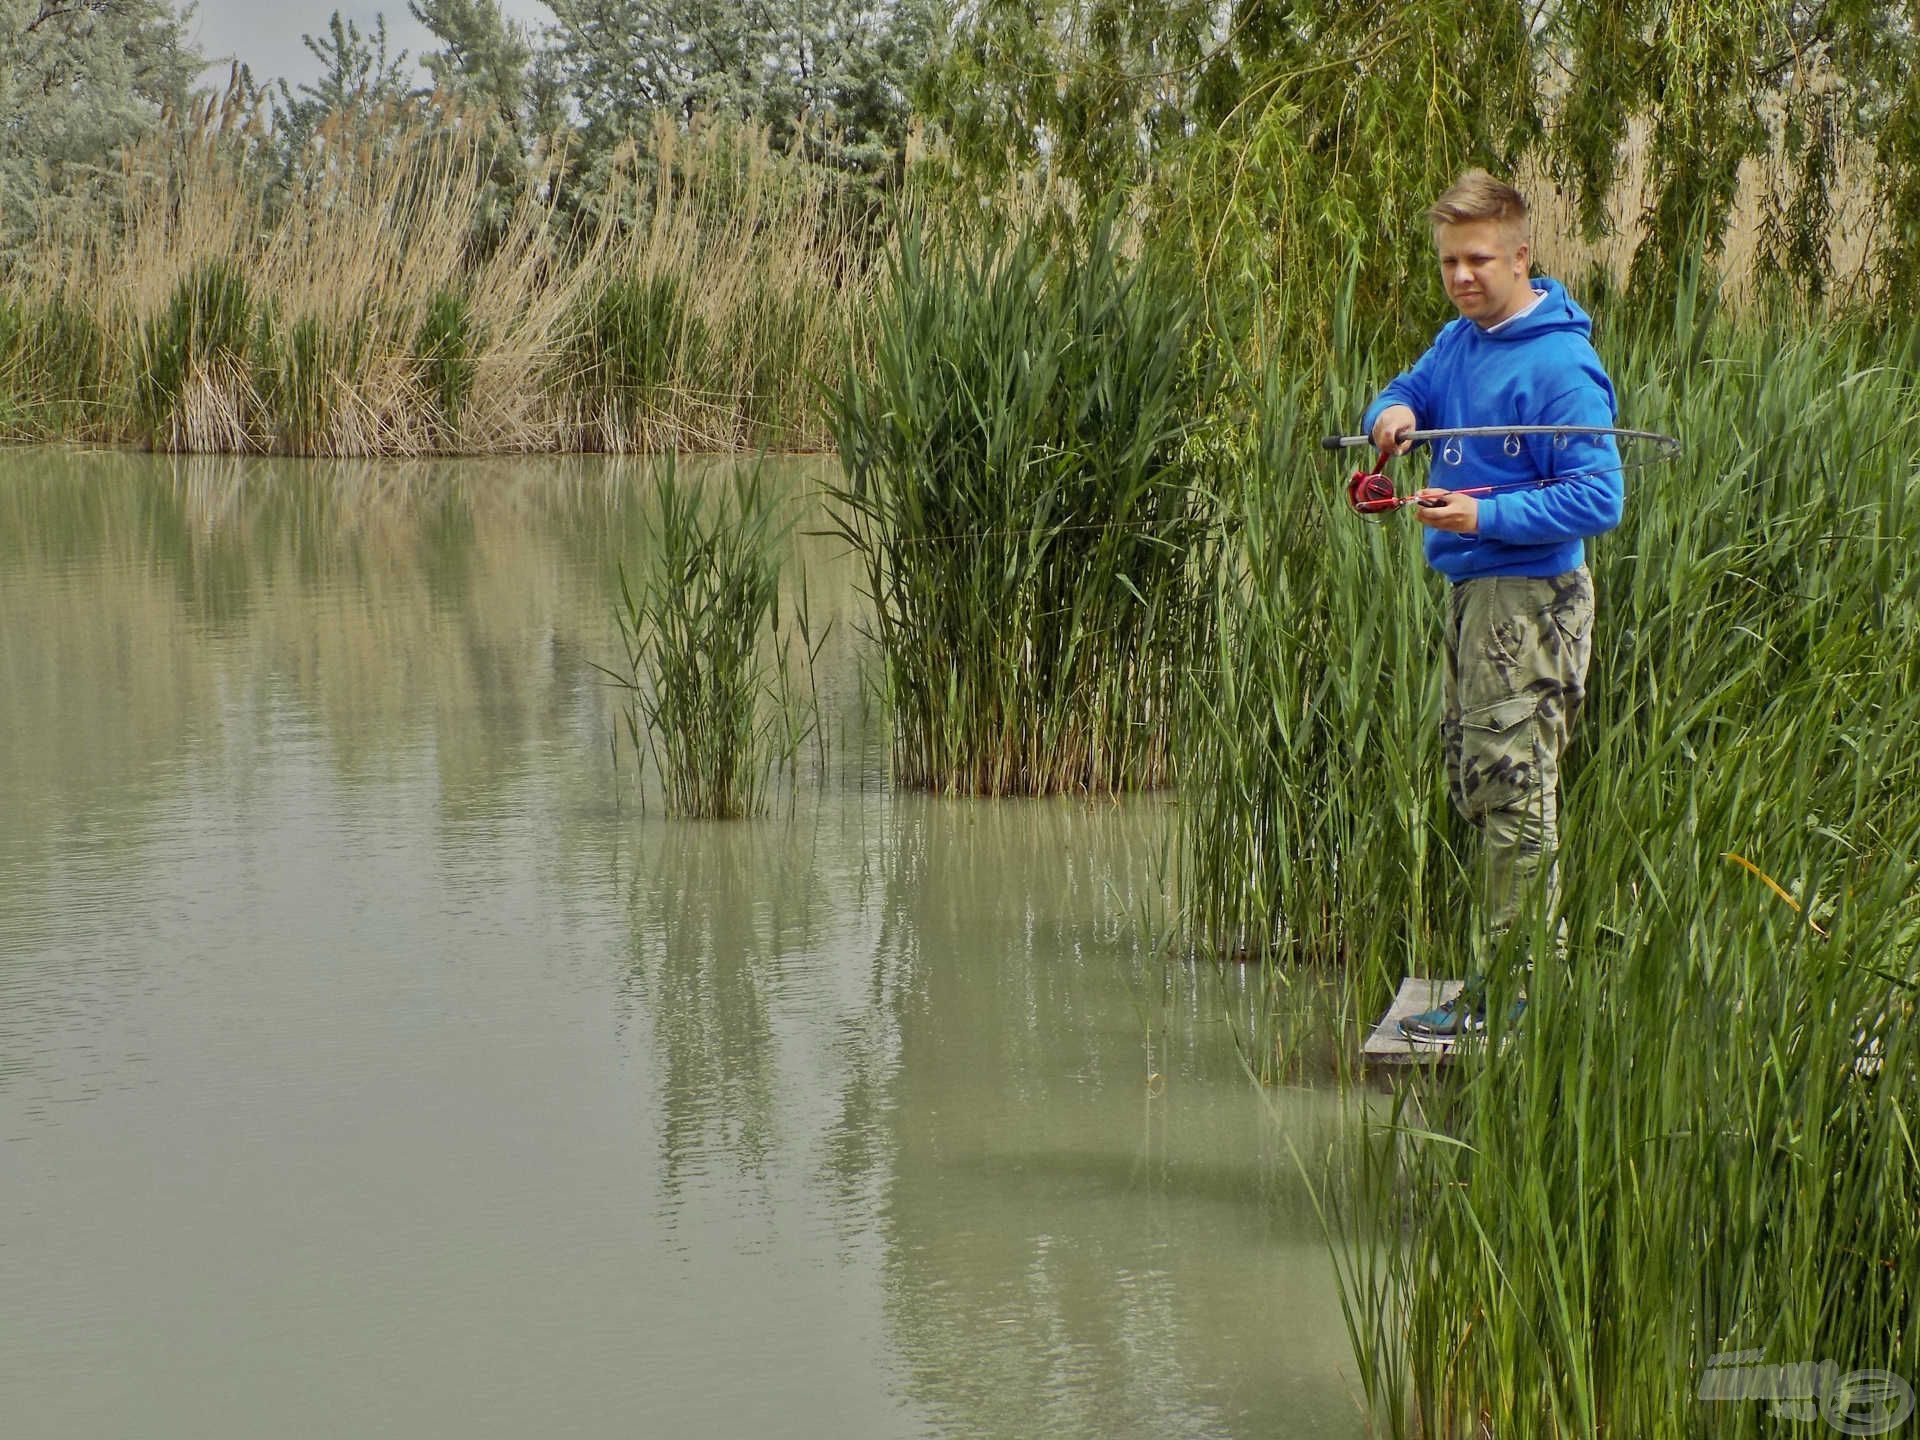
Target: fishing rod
x=1370, y=492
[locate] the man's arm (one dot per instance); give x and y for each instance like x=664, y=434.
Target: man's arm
x=1411, y=388
x=1587, y=502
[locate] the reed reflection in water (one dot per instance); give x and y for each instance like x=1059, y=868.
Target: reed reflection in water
x=372, y=1057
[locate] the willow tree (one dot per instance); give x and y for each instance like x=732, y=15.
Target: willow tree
x=1294, y=143
x=1290, y=146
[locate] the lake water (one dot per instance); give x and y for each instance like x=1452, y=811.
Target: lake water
x=376, y=1061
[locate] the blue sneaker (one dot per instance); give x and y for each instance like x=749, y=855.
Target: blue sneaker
x=1464, y=1014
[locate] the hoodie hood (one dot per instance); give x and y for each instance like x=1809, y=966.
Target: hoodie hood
x=1556, y=313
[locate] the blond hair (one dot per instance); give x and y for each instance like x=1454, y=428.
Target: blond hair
x=1476, y=195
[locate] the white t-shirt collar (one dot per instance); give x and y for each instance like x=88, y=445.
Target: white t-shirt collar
x=1531, y=306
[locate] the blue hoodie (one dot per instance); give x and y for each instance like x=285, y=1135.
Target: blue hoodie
x=1538, y=369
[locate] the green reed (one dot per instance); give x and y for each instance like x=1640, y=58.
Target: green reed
x=630, y=342
x=1700, y=1140
x=447, y=346
x=194, y=359
x=302, y=372
x=53, y=368
x=1032, y=522
x=708, y=686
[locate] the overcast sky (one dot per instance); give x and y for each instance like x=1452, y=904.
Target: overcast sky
x=266, y=33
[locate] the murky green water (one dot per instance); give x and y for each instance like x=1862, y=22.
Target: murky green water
x=370, y=1065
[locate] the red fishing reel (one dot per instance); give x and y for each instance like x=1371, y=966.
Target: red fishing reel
x=1370, y=492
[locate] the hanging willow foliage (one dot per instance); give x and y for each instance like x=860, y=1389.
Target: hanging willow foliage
x=1296, y=144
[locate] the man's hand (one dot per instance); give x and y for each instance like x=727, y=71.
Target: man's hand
x=1394, y=422
x=1448, y=510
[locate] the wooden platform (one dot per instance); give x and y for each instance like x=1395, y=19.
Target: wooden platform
x=1387, y=1046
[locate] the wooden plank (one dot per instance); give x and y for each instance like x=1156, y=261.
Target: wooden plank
x=1387, y=1046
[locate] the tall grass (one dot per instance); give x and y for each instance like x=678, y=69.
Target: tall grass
x=192, y=387
x=53, y=366
x=1021, y=495
x=626, y=345
x=1701, y=1139
x=359, y=312
x=1314, y=836
x=709, y=692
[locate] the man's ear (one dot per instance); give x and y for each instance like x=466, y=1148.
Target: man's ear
x=1522, y=254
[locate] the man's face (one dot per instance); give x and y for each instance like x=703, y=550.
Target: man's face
x=1484, y=267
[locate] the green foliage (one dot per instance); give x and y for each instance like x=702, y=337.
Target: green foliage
x=630, y=342
x=1313, y=833
x=1700, y=79
x=204, y=336
x=79, y=85
x=447, y=346
x=484, y=70
x=1699, y=1140
x=1104, y=91
x=301, y=371
x=484, y=56
x=769, y=345
x=1031, y=523
x=1896, y=139
x=1292, y=150
x=53, y=369
x=360, y=84
x=1295, y=147
x=715, y=706
x=828, y=75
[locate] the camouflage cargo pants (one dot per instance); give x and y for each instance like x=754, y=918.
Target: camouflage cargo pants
x=1516, y=670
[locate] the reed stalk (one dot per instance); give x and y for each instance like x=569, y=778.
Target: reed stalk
x=358, y=311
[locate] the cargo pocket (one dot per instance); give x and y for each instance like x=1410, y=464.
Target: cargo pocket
x=1571, y=608
x=1574, y=621
x=1499, y=754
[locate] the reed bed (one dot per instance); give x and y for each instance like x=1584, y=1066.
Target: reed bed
x=1699, y=1141
x=368, y=307
x=1031, y=519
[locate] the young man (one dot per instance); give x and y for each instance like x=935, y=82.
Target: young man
x=1520, y=602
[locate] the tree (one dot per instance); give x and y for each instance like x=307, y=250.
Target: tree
x=359, y=80
x=484, y=59
x=484, y=71
x=833, y=75
x=80, y=82
x=1296, y=142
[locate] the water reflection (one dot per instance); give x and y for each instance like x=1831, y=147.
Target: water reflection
x=1091, y=1228
x=715, y=908
x=319, y=894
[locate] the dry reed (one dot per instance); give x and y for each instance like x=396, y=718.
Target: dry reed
x=352, y=271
